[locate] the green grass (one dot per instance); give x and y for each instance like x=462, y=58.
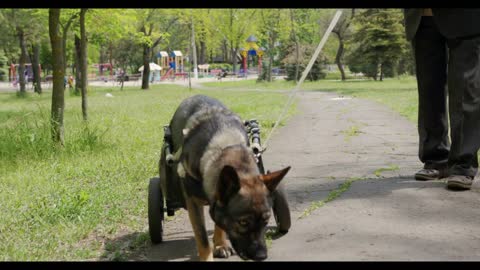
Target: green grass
x=378, y=172
x=341, y=189
x=399, y=94
x=331, y=196
x=73, y=203
x=350, y=132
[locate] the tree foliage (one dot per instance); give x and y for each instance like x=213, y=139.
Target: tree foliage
x=378, y=42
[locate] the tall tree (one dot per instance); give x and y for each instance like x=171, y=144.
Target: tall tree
x=22, y=60
x=150, y=34
x=8, y=41
x=83, y=63
x=38, y=36
x=58, y=99
x=77, y=56
x=297, y=45
x=26, y=27
x=19, y=22
x=194, y=50
x=66, y=21
x=342, y=30
x=379, y=41
x=35, y=57
x=273, y=30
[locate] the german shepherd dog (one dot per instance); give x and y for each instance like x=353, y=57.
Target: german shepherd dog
x=216, y=167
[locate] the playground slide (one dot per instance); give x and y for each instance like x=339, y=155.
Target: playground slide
x=166, y=75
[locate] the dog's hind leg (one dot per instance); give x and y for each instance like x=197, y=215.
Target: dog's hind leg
x=221, y=247
x=197, y=219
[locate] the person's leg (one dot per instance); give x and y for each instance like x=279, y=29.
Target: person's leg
x=464, y=106
x=431, y=69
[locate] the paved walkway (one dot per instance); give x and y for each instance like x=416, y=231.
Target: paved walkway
x=363, y=156
x=384, y=214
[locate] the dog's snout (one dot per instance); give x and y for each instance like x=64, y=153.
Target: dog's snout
x=257, y=252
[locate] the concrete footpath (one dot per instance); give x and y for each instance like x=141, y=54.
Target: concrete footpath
x=363, y=156
x=384, y=214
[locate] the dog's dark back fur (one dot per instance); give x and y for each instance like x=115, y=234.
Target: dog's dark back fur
x=213, y=117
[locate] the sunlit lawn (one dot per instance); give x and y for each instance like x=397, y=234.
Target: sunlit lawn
x=65, y=204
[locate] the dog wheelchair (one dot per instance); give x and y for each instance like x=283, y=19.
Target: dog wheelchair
x=165, y=192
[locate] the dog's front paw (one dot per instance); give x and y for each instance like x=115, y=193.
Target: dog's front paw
x=222, y=251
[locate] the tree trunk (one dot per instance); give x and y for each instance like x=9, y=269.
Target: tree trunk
x=64, y=45
x=64, y=42
x=203, y=50
x=78, y=56
x=225, y=51
x=102, y=54
x=381, y=72
x=194, y=51
x=122, y=77
x=58, y=101
x=338, y=57
x=395, y=67
x=35, y=57
x=297, y=49
x=270, y=60
x=110, y=58
x=234, y=59
x=146, y=67
x=83, y=63
x=269, y=70
x=22, y=60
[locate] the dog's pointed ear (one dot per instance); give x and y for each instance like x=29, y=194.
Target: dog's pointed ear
x=272, y=179
x=228, y=184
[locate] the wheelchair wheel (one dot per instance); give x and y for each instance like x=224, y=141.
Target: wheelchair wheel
x=281, y=210
x=155, y=210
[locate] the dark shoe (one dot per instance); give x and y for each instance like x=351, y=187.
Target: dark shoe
x=459, y=182
x=430, y=174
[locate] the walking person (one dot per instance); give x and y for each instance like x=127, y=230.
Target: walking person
x=446, y=44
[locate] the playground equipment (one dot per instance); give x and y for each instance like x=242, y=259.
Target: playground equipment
x=251, y=48
x=172, y=65
x=168, y=75
x=176, y=60
x=162, y=59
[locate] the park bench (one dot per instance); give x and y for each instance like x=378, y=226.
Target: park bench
x=133, y=77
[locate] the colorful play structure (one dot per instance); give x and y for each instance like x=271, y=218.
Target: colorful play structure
x=177, y=58
x=252, y=49
x=162, y=58
x=172, y=65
